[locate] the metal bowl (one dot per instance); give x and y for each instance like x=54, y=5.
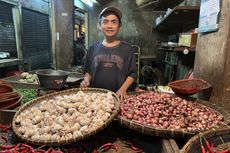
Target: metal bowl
x=52, y=79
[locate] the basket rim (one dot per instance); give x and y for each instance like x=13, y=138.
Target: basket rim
x=65, y=142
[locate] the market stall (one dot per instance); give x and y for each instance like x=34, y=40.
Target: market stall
x=131, y=131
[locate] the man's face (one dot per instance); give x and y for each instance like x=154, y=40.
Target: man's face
x=110, y=25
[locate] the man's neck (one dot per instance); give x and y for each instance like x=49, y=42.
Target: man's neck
x=110, y=42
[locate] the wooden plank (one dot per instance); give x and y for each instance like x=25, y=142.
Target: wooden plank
x=174, y=145
x=166, y=147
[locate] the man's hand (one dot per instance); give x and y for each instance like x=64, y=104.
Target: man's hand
x=86, y=82
x=121, y=93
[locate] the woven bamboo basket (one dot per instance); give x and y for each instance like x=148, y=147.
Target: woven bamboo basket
x=65, y=92
x=172, y=133
x=219, y=137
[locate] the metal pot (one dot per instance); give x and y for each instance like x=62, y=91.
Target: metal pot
x=52, y=79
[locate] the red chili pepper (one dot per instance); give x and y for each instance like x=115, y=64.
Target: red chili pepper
x=202, y=147
x=107, y=146
x=4, y=127
x=23, y=149
x=15, y=151
x=95, y=151
x=5, y=151
x=6, y=147
x=74, y=150
x=49, y=150
x=139, y=151
x=39, y=151
x=136, y=147
x=27, y=146
x=210, y=148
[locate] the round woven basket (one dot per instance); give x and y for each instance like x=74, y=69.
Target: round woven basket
x=220, y=138
x=36, y=101
x=168, y=133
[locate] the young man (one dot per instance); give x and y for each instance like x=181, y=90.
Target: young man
x=110, y=63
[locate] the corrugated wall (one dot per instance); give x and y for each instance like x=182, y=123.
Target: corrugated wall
x=36, y=43
x=7, y=31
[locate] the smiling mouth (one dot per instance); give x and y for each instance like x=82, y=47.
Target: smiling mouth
x=110, y=30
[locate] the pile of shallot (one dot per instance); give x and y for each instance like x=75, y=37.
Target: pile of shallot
x=166, y=111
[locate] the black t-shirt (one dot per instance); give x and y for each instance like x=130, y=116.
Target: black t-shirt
x=110, y=67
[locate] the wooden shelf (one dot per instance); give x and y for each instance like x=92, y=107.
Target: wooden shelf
x=160, y=5
x=166, y=49
x=181, y=49
x=147, y=57
x=178, y=17
x=178, y=49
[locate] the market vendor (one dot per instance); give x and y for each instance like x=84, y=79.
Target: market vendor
x=110, y=63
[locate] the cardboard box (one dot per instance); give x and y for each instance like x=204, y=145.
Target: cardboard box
x=187, y=39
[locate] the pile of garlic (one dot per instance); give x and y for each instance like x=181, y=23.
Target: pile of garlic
x=26, y=77
x=66, y=117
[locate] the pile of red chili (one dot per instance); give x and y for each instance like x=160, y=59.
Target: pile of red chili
x=25, y=148
x=209, y=147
